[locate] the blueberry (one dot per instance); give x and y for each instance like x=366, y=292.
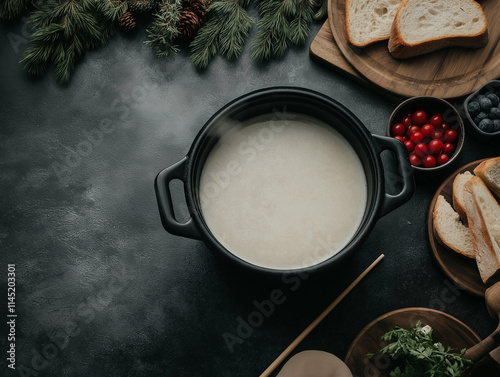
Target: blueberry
x=494, y=113
x=496, y=125
x=479, y=117
x=479, y=97
x=473, y=108
x=493, y=98
x=486, y=125
x=485, y=104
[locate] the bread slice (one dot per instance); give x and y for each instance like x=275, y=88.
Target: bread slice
x=459, y=195
x=489, y=172
x=449, y=230
x=483, y=212
x=369, y=21
x=421, y=27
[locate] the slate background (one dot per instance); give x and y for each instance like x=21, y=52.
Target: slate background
x=103, y=290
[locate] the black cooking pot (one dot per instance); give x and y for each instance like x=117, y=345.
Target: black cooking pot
x=280, y=100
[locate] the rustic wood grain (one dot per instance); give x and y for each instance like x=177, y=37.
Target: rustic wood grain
x=448, y=73
x=324, y=50
x=461, y=270
x=491, y=342
x=446, y=329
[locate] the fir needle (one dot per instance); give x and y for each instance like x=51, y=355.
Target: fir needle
x=314, y=323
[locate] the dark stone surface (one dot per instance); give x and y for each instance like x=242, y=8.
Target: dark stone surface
x=103, y=290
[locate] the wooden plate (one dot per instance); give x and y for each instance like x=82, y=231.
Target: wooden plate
x=447, y=73
x=446, y=329
x=461, y=270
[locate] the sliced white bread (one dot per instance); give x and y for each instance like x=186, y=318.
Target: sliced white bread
x=459, y=195
x=369, y=21
x=449, y=230
x=489, y=172
x=421, y=27
x=483, y=212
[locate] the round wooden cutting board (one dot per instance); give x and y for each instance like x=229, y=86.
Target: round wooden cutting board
x=446, y=329
x=447, y=73
x=461, y=270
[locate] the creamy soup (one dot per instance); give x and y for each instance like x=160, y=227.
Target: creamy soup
x=283, y=194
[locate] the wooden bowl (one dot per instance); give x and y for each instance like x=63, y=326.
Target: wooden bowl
x=431, y=105
x=446, y=329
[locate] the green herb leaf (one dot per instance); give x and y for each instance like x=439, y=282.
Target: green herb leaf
x=415, y=354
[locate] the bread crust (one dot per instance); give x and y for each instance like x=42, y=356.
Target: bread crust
x=481, y=171
x=437, y=232
x=487, y=260
x=400, y=49
x=458, y=205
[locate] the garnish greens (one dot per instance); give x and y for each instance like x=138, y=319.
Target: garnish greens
x=414, y=354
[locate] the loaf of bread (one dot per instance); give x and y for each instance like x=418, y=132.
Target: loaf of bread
x=483, y=213
x=459, y=194
x=369, y=21
x=449, y=230
x=420, y=27
x=489, y=172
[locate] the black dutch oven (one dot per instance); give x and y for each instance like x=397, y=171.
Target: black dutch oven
x=270, y=101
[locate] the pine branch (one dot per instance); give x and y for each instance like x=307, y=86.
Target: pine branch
x=112, y=9
x=10, y=9
x=283, y=22
x=225, y=32
x=63, y=31
x=300, y=24
x=162, y=31
x=271, y=39
x=233, y=37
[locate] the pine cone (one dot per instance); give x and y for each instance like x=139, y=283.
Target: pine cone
x=198, y=7
x=141, y=6
x=190, y=20
x=127, y=21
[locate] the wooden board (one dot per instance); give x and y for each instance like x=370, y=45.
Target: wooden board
x=448, y=73
x=324, y=49
x=446, y=329
x=461, y=270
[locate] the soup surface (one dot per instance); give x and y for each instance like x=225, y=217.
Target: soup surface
x=283, y=193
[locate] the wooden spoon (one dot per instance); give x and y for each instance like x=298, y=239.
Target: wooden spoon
x=480, y=350
x=488, y=366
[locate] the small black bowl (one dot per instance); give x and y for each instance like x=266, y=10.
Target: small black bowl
x=472, y=126
x=432, y=105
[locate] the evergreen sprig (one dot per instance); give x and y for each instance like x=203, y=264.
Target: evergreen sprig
x=162, y=32
x=282, y=23
x=225, y=32
x=111, y=10
x=10, y=9
x=63, y=31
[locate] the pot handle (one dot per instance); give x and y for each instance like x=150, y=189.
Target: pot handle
x=405, y=173
x=165, y=205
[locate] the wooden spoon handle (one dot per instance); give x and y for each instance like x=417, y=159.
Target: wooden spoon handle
x=486, y=367
x=481, y=349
